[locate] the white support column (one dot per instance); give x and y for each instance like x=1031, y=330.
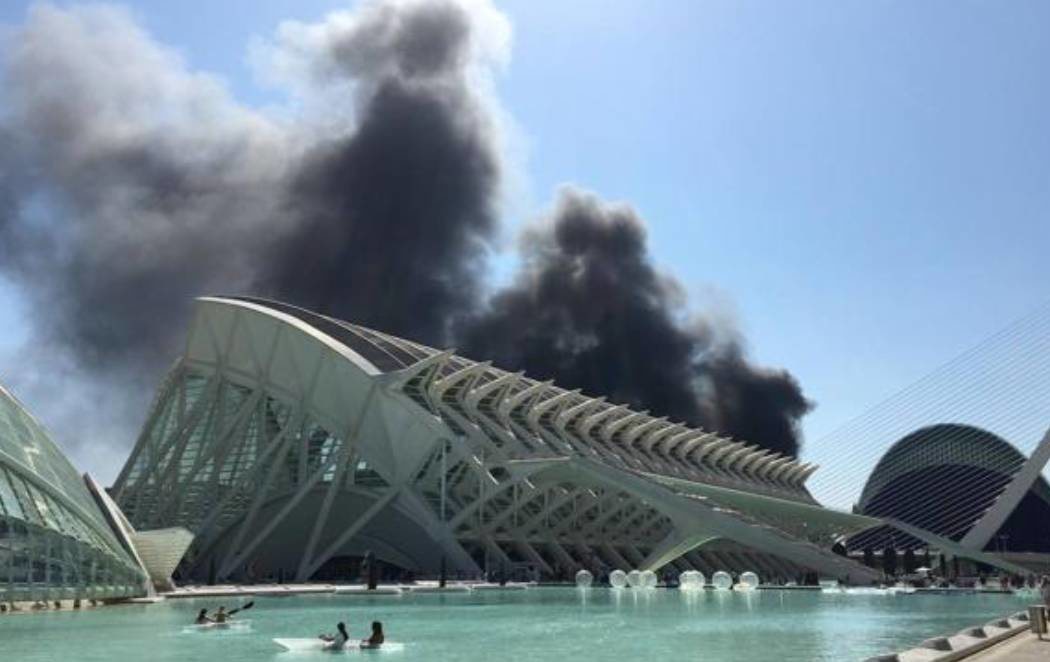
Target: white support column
x=782, y=473
x=301, y=492
x=489, y=495
x=171, y=471
x=609, y=430
x=277, y=446
x=675, y=441
x=620, y=505
x=540, y=407
x=731, y=459
x=654, y=437
x=170, y=387
x=567, y=415
x=674, y=545
x=550, y=505
x=516, y=507
x=804, y=476
x=216, y=452
x=981, y=532
x=638, y=431
x=752, y=461
x=440, y=386
x=478, y=394
x=693, y=452
x=521, y=398
x=718, y=450
x=334, y=487
x=594, y=419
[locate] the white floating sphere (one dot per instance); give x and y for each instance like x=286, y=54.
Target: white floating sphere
x=649, y=579
x=692, y=580
x=748, y=581
x=722, y=580
x=584, y=579
x=634, y=579
x=687, y=580
x=617, y=579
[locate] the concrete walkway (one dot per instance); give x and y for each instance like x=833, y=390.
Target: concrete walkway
x=264, y=590
x=1022, y=648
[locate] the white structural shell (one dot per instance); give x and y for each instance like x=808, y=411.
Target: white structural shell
x=285, y=441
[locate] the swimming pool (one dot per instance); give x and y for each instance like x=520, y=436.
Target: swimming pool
x=542, y=624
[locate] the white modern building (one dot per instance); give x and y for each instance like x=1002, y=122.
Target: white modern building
x=291, y=444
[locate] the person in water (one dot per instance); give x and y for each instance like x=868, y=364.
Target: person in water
x=339, y=639
x=202, y=618
x=377, y=638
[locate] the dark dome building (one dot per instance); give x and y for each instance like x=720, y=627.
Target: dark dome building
x=944, y=478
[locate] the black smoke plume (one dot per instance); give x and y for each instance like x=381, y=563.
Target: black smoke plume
x=391, y=224
x=164, y=188
x=130, y=184
x=590, y=311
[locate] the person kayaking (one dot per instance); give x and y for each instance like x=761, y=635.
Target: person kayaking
x=223, y=616
x=202, y=618
x=377, y=638
x=339, y=639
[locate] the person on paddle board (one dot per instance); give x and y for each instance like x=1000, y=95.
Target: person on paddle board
x=377, y=638
x=339, y=639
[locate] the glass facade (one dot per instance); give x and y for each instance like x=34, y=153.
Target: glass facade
x=55, y=543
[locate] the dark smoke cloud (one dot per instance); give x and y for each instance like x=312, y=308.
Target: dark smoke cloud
x=139, y=178
x=130, y=184
x=590, y=311
x=142, y=184
x=391, y=224
x=167, y=188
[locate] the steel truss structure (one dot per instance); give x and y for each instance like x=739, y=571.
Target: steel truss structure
x=286, y=440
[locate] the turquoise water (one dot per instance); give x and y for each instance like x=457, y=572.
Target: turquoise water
x=541, y=624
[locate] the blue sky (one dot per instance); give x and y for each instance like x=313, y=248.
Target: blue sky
x=866, y=184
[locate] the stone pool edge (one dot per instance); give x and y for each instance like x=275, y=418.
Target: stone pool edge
x=963, y=644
